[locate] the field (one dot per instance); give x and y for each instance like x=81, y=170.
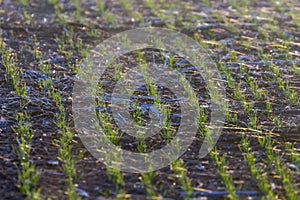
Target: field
x=255, y=46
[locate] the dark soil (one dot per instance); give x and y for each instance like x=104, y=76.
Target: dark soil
x=92, y=176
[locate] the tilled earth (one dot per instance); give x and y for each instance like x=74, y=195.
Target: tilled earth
x=262, y=30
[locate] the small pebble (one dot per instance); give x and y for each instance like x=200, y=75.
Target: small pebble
x=53, y=162
x=46, y=122
x=200, y=167
x=28, y=88
x=293, y=167
x=273, y=186
x=82, y=193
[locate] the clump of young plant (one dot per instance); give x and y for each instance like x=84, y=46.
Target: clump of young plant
x=12, y=75
x=180, y=171
x=79, y=11
x=134, y=14
x=295, y=155
x=28, y=176
x=27, y=15
x=167, y=132
x=36, y=52
x=105, y=13
x=156, y=8
x=147, y=179
x=66, y=139
x=106, y=121
x=273, y=158
x=256, y=172
x=221, y=163
x=58, y=7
